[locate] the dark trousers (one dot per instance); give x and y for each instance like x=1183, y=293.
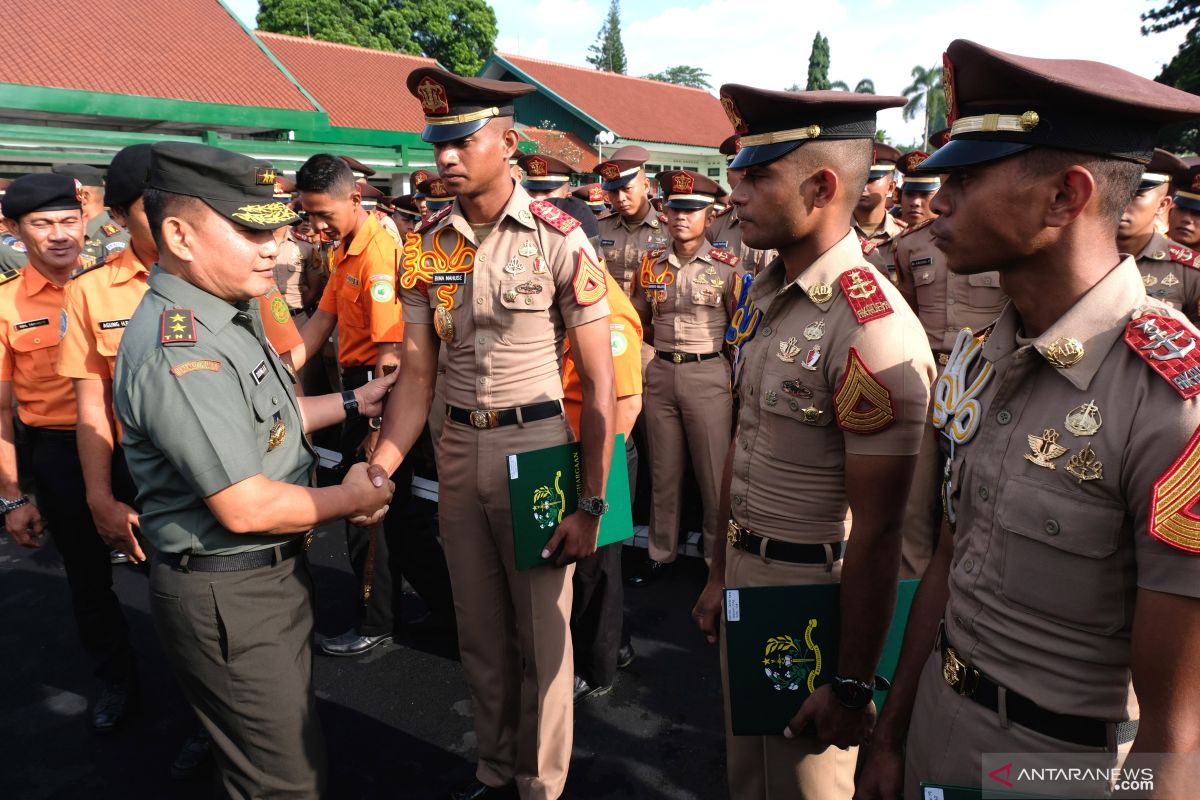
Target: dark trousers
x=61, y=497
x=598, y=609
x=407, y=545
x=240, y=644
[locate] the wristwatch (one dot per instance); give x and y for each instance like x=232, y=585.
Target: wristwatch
x=593, y=505
x=7, y=505
x=851, y=693
x=350, y=403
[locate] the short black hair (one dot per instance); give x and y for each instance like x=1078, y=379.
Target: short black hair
x=1116, y=179
x=326, y=174
x=159, y=205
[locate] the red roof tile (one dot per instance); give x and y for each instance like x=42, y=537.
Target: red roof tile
x=633, y=108
x=360, y=88
x=563, y=145
x=175, y=49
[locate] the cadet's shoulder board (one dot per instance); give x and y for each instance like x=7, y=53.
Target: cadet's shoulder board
x=1184, y=255
x=864, y=295
x=724, y=256
x=1174, y=493
x=589, y=284
x=7, y=275
x=178, y=327
x=555, y=217
x=435, y=219
x=1169, y=346
x=868, y=247
x=862, y=404
x=110, y=229
x=915, y=228
x=723, y=212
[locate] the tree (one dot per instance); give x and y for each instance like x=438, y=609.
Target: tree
x=926, y=93
x=865, y=86
x=818, y=63
x=1171, y=15
x=1182, y=71
x=608, y=52
x=683, y=76
x=458, y=33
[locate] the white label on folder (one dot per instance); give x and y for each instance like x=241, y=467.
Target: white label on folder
x=512, y=466
x=934, y=793
x=733, y=606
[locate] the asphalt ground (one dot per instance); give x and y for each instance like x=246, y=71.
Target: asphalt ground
x=397, y=721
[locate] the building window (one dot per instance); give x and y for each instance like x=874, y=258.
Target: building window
x=714, y=172
x=653, y=168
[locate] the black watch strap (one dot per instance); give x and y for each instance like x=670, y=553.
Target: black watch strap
x=350, y=403
x=852, y=693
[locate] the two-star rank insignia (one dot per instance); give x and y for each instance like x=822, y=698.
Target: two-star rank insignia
x=178, y=327
x=862, y=403
x=110, y=229
x=724, y=256
x=1175, y=492
x=1169, y=346
x=865, y=295
x=590, y=281
x=554, y=216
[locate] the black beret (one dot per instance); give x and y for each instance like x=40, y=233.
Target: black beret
x=127, y=175
x=41, y=191
x=86, y=174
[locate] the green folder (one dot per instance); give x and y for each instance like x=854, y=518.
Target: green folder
x=781, y=643
x=544, y=488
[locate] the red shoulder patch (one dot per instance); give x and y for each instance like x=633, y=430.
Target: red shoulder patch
x=915, y=228
x=435, y=219
x=1183, y=255
x=1169, y=347
x=554, y=216
x=864, y=295
x=110, y=229
x=724, y=256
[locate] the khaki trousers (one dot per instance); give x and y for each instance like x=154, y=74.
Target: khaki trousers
x=513, y=627
x=688, y=411
x=240, y=644
x=772, y=767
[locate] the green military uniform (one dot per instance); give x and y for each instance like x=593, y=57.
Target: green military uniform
x=205, y=403
x=12, y=253
x=102, y=239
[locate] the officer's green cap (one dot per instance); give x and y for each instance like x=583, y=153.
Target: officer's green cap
x=86, y=174
x=237, y=187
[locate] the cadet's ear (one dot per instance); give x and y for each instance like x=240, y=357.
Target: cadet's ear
x=1073, y=190
x=178, y=238
x=821, y=187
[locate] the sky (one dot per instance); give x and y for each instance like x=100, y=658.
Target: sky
x=766, y=43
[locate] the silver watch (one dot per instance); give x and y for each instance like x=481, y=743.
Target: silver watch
x=7, y=505
x=593, y=505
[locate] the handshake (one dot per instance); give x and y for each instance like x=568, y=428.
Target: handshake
x=370, y=491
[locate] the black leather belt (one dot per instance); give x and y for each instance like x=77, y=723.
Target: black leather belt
x=775, y=550
x=295, y=311
x=238, y=562
x=485, y=420
x=973, y=684
x=684, y=358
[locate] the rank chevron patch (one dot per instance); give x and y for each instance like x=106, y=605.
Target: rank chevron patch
x=589, y=283
x=862, y=403
x=1174, y=494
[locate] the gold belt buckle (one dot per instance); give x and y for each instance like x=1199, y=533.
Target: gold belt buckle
x=484, y=420
x=943, y=358
x=960, y=677
x=677, y=358
x=733, y=533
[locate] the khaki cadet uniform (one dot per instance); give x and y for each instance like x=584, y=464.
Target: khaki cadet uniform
x=725, y=233
x=533, y=276
x=294, y=274
x=205, y=403
x=103, y=240
x=1063, y=491
x=1171, y=274
x=945, y=303
x=623, y=244
x=819, y=380
x=877, y=247
x=688, y=403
